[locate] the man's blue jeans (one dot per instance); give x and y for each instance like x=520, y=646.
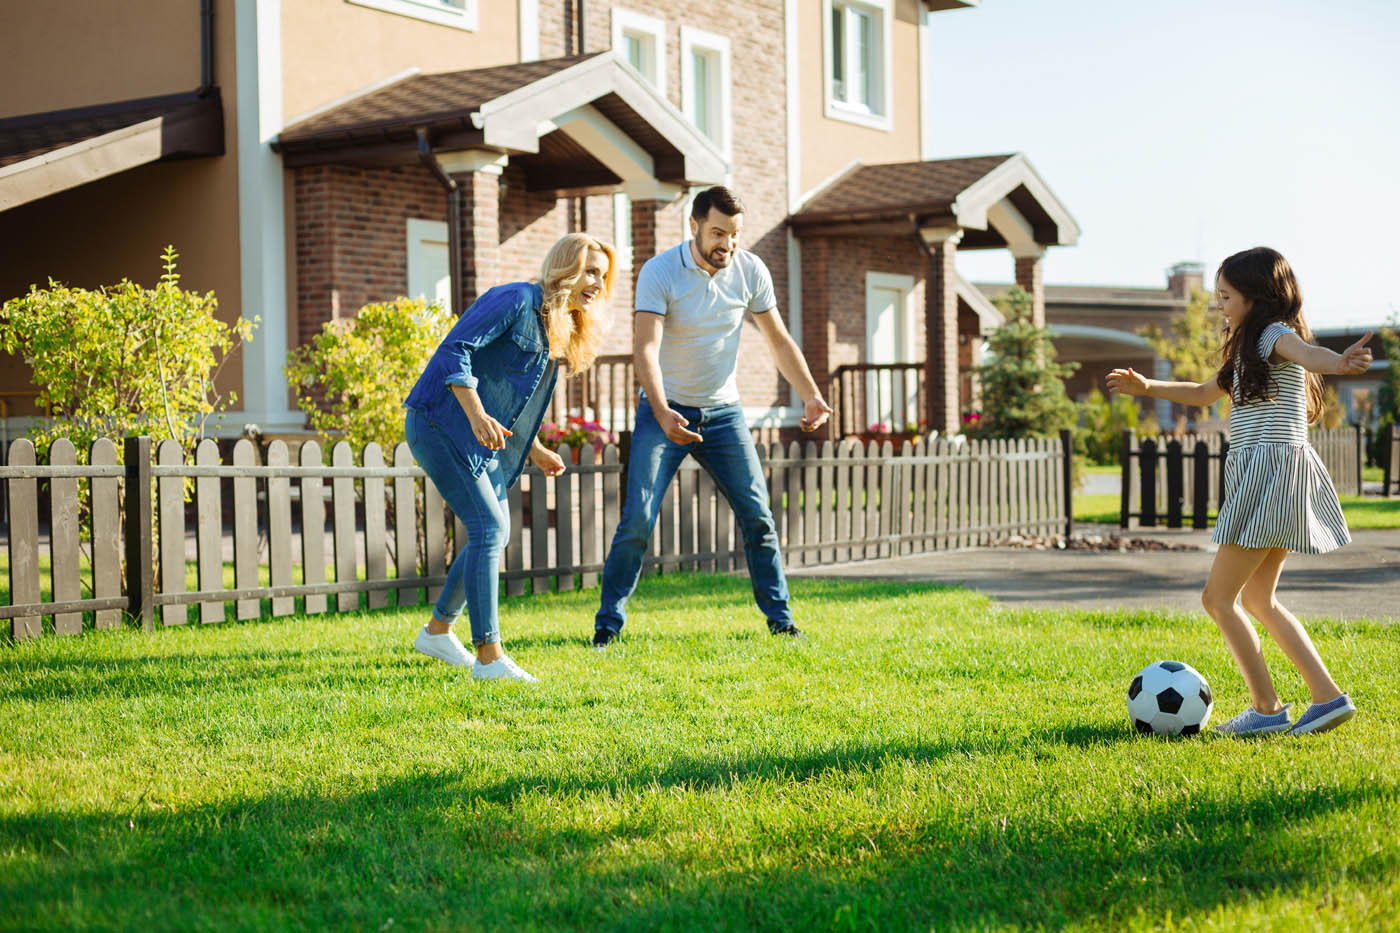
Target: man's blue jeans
x=727, y=453
x=480, y=502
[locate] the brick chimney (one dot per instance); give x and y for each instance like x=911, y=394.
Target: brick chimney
x=1184, y=276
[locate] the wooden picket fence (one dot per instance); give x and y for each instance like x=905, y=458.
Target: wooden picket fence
x=272, y=537
x=1171, y=478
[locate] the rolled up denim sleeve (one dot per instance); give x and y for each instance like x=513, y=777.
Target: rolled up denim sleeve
x=488, y=317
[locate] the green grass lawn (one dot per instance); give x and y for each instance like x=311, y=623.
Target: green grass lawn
x=1360, y=511
x=923, y=759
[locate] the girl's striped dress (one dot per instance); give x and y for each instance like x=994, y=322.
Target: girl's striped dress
x=1277, y=490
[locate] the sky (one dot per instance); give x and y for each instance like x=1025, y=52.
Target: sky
x=1189, y=130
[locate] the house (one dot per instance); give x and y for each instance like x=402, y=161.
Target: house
x=1097, y=326
x=308, y=156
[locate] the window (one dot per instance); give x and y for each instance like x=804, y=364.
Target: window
x=640, y=41
x=458, y=13
x=858, y=63
x=705, y=84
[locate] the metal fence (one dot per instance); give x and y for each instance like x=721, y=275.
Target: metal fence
x=1171, y=479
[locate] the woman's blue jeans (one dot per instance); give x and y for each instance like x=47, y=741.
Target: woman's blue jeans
x=480, y=503
x=727, y=453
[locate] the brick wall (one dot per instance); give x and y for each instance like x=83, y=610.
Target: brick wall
x=351, y=228
x=759, y=176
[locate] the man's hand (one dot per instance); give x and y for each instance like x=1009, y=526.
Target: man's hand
x=814, y=413
x=549, y=462
x=674, y=424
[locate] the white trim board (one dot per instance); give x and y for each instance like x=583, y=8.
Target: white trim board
x=262, y=215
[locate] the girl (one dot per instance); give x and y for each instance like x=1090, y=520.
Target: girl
x=474, y=416
x=1278, y=496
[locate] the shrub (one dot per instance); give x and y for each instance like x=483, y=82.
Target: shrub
x=353, y=377
x=123, y=360
x=1102, y=422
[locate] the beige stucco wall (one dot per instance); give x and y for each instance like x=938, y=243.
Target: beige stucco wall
x=72, y=53
x=828, y=145
x=331, y=48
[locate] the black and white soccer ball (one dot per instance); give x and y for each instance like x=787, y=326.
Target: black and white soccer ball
x=1169, y=698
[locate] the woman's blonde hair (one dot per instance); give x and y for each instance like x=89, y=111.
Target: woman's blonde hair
x=574, y=334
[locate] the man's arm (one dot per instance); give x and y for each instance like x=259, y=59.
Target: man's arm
x=794, y=368
x=646, y=344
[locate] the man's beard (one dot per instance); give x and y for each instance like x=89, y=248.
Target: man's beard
x=718, y=258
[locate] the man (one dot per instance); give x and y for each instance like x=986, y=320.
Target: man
x=690, y=306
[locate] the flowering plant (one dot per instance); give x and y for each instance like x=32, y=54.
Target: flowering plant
x=885, y=427
x=971, y=418
x=576, y=432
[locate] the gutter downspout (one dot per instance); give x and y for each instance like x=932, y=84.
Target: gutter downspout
x=454, y=218
x=206, y=48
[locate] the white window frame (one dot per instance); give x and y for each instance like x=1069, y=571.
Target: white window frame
x=717, y=47
x=417, y=232
x=432, y=11
x=882, y=11
x=625, y=22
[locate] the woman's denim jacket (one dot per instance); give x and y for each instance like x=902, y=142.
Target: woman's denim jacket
x=498, y=348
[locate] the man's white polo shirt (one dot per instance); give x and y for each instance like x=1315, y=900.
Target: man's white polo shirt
x=704, y=313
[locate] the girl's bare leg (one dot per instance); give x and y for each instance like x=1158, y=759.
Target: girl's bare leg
x=1260, y=600
x=1232, y=569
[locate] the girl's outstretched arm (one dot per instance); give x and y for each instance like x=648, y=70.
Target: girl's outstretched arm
x=1198, y=394
x=1354, y=359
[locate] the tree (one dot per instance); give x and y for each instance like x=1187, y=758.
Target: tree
x=123, y=360
x=1023, y=389
x=1192, y=345
x=352, y=378
x=1388, y=396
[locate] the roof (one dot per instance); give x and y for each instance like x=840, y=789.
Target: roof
x=579, y=120
x=1113, y=295
x=995, y=200
x=439, y=101
x=44, y=153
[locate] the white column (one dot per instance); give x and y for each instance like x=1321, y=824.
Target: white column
x=261, y=218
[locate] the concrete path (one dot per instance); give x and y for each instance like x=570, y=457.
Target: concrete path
x=1361, y=580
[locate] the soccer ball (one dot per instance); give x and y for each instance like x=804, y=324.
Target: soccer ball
x=1169, y=698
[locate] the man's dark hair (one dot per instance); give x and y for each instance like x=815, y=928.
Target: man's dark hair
x=719, y=197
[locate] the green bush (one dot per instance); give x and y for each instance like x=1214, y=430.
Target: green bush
x=1102, y=422
x=123, y=360
x=353, y=377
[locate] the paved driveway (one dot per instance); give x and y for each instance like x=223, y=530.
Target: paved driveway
x=1361, y=580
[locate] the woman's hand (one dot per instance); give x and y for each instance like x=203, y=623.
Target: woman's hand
x=489, y=432
x=549, y=463
x=1127, y=381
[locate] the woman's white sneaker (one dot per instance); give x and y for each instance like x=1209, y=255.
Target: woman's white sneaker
x=445, y=647
x=503, y=668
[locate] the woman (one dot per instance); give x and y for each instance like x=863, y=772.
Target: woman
x=475, y=414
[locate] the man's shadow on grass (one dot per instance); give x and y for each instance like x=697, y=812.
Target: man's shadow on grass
x=436, y=848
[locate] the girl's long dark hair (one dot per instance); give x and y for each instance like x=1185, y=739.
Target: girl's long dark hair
x=1264, y=277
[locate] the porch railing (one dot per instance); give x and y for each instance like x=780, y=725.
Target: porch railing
x=876, y=398
x=606, y=393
